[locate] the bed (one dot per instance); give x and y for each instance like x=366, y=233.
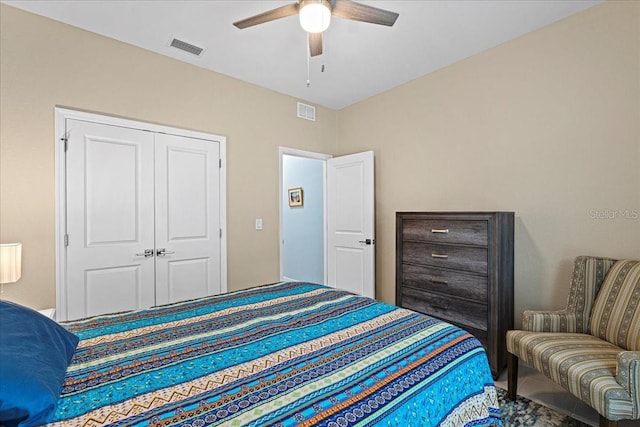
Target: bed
x=287, y=354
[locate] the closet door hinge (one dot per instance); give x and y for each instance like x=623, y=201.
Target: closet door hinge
x=65, y=141
x=221, y=233
x=220, y=163
x=66, y=240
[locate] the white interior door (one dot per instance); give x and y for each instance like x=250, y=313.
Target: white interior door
x=187, y=218
x=110, y=182
x=351, y=223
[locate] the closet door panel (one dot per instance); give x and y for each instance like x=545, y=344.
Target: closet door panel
x=109, y=219
x=187, y=200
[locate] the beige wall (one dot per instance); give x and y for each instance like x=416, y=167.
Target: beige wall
x=46, y=64
x=547, y=125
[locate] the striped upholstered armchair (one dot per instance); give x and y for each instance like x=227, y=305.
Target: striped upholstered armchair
x=592, y=347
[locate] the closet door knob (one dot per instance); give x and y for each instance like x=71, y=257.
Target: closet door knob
x=147, y=253
x=163, y=252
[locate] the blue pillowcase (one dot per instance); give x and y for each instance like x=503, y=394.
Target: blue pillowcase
x=34, y=354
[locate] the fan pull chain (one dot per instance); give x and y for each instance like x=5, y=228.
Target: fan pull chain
x=324, y=47
x=308, y=59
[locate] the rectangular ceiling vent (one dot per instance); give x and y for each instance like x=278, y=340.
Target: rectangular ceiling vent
x=187, y=47
x=306, y=111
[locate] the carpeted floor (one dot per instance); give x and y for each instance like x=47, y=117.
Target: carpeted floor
x=523, y=412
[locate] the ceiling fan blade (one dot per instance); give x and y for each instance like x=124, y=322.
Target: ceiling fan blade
x=347, y=9
x=270, y=15
x=315, y=44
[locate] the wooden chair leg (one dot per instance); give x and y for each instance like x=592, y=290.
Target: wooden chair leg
x=607, y=423
x=512, y=376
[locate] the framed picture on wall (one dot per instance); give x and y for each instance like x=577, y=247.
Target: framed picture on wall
x=295, y=197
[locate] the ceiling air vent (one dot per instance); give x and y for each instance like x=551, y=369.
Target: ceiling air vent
x=187, y=47
x=306, y=111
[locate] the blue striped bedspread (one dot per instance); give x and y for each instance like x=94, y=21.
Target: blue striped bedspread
x=289, y=354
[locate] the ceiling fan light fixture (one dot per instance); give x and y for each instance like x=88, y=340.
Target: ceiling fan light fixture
x=315, y=15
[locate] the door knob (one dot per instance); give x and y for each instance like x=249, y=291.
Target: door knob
x=367, y=241
x=163, y=252
x=147, y=253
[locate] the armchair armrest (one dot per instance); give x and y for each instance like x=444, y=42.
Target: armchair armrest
x=628, y=376
x=549, y=321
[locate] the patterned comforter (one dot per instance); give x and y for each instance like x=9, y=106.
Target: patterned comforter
x=278, y=355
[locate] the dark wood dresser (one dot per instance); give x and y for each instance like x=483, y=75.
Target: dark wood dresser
x=458, y=267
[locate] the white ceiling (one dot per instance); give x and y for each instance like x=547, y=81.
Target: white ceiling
x=360, y=60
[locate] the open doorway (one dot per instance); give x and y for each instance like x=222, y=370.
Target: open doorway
x=327, y=219
x=303, y=218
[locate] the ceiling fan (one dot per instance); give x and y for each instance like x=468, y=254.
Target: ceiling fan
x=315, y=16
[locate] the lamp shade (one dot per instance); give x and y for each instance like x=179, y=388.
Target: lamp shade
x=10, y=262
x=315, y=15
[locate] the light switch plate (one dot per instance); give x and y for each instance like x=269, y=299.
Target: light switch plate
x=258, y=223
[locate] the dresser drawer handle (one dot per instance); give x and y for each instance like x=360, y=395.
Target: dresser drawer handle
x=439, y=256
x=439, y=282
x=440, y=230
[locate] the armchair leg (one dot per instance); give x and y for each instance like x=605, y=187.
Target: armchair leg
x=512, y=376
x=607, y=423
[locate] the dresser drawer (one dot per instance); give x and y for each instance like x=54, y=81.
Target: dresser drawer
x=446, y=256
x=456, y=310
x=446, y=231
x=445, y=281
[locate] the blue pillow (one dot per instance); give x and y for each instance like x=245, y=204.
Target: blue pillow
x=34, y=354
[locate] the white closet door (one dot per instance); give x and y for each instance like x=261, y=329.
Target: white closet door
x=110, y=183
x=187, y=218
